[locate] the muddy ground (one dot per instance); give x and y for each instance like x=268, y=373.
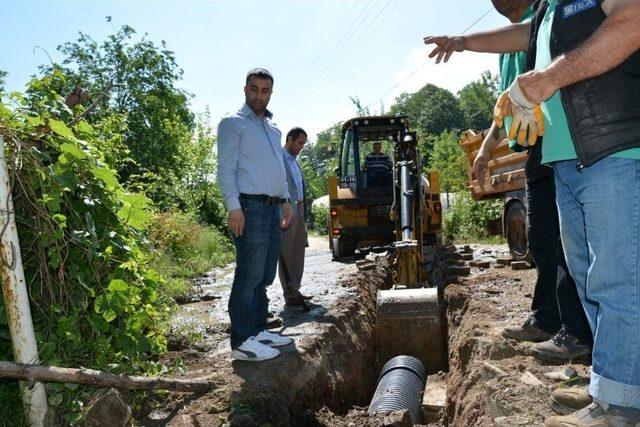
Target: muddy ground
x=328, y=376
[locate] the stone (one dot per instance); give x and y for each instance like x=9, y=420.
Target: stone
x=530, y=379
x=466, y=257
x=512, y=420
x=364, y=265
x=480, y=264
x=107, y=408
x=561, y=375
x=504, y=261
x=490, y=371
x=456, y=270
x=452, y=256
x=520, y=265
x=434, y=400
x=467, y=249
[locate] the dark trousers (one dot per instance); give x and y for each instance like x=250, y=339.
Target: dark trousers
x=555, y=298
x=256, y=262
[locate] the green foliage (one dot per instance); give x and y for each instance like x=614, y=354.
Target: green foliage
x=185, y=248
x=318, y=161
x=95, y=300
x=431, y=110
x=467, y=219
x=450, y=160
x=169, y=155
x=477, y=100
x=320, y=216
x=3, y=74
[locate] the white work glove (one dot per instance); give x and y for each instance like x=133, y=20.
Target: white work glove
x=527, y=124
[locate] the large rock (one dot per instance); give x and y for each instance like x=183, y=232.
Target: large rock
x=107, y=409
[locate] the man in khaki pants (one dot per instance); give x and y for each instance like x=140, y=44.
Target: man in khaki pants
x=294, y=238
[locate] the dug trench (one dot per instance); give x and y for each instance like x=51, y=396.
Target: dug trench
x=330, y=374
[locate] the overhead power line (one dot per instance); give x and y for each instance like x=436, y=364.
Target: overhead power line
x=358, y=43
x=340, y=45
x=407, y=77
x=321, y=51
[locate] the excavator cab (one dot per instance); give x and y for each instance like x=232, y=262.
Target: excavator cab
x=361, y=193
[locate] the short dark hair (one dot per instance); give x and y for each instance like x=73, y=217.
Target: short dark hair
x=260, y=73
x=295, y=133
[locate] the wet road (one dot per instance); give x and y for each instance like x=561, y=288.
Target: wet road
x=210, y=318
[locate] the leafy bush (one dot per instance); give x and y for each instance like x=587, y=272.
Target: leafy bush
x=186, y=248
x=467, y=219
x=94, y=297
x=320, y=215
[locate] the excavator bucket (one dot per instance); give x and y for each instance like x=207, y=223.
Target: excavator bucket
x=411, y=321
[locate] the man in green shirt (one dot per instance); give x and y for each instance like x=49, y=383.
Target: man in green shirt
x=557, y=318
x=586, y=55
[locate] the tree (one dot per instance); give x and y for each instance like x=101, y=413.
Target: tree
x=477, y=100
x=431, y=110
x=159, y=124
x=317, y=161
x=3, y=74
x=450, y=160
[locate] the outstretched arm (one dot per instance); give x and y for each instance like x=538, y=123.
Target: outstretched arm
x=617, y=38
x=512, y=38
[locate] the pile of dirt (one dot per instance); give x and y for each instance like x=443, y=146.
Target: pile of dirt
x=493, y=380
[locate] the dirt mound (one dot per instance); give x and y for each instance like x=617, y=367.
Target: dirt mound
x=493, y=380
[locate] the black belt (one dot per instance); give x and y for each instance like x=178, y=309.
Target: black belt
x=264, y=198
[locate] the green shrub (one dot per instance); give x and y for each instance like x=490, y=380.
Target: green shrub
x=467, y=219
x=185, y=248
x=94, y=297
x=320, y=215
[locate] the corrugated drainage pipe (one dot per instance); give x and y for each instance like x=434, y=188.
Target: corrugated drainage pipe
x=400, y=386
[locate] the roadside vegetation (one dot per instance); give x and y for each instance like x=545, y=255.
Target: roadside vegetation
x=112, y=179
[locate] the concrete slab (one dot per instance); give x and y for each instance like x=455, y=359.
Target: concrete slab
x=434, y=399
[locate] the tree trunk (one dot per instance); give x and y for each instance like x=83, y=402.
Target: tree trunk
x=28, y=372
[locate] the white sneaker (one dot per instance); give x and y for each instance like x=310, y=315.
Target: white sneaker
x=273, y=340
x=253, y=351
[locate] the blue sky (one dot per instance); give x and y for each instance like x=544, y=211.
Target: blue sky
x=320, y=52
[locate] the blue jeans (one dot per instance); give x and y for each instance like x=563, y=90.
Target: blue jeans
x=599, y=211
x=256, y=262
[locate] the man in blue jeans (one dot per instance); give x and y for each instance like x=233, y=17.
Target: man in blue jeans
x=253, y=182
x=557, y=321
x=587, y=81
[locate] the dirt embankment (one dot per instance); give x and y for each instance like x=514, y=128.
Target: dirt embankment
x=494, y=381
x=331, y=364
x=328, y=376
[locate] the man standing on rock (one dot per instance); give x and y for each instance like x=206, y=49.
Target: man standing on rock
x=294, y=238
x=252, y=178
x=557, y=320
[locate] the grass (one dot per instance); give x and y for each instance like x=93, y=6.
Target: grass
x=316, y=233
x=496, y=239
x=11, y=404
x=186, y=249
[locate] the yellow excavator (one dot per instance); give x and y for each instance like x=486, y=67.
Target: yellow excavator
x=398, y=207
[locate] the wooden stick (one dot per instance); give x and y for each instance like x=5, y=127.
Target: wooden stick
x=29, y=372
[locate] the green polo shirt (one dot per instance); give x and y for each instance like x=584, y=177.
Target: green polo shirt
x=511, y=66
x=558, y=145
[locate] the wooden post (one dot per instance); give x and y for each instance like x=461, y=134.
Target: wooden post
x=16, y=299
